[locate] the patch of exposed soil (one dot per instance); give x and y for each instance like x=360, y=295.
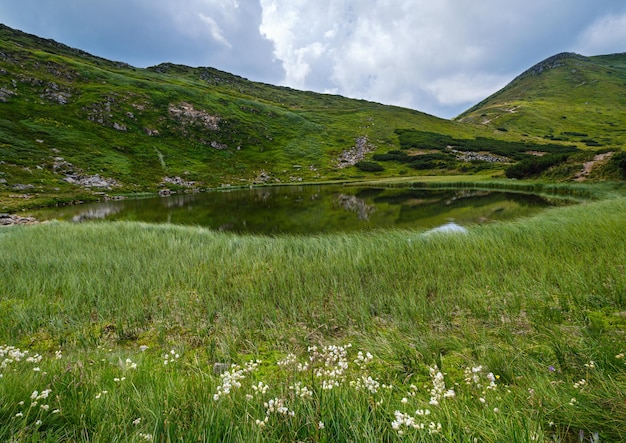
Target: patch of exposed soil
x=588, y=166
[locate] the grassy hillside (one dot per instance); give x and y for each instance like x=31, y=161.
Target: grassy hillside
x=67, y=116
x=566, y=97
x=74, y=126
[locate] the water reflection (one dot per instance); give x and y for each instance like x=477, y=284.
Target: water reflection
x=355, y=204
x=315, y=209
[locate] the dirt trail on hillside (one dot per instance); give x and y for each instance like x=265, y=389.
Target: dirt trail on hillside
x=588, y=166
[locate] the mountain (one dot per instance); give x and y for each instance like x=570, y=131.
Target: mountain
x=567, y=97
x=74, y=126
x=72, y=123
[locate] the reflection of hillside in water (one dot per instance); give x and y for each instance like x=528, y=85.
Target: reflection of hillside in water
x=313, y=209
x=178, y=201
x=99, y=213
x=355, y=204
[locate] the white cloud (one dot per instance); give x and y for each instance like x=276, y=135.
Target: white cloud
x=393, y=51
x=462, y=88
x=604, y=36
x=438, y=56
x=215, y=30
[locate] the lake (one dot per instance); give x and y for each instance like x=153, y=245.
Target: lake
x=314, y=209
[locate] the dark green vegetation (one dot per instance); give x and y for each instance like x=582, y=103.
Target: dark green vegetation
x=74, y=126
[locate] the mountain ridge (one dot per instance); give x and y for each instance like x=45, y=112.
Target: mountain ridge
x=77, y=126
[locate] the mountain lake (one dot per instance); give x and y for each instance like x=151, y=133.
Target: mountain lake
x=315, y=209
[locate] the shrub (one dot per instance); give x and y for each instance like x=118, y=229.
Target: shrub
x=369, y=166
x=531, y=167
x=619, y=161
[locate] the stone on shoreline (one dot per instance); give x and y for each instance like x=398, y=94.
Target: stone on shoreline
x=12, y=219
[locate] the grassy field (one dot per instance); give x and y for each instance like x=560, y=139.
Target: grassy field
x=127, y=332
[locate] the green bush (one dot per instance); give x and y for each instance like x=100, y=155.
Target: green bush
x=533, y=166
x=619, y=160
x=369, y=166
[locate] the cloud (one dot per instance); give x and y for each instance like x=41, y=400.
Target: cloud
x=220, y=33
x=604, y=36
x=461, y=88
x=436, y=56
x=215, y=30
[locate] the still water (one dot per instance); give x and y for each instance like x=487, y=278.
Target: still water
x=313, y=209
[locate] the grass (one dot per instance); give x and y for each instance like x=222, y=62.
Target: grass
x=136, y=332
x=538, y=304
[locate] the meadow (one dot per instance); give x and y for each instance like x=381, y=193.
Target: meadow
x=135, y=332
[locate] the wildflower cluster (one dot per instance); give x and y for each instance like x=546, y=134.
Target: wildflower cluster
x=37, y=406
x=475, y=376
x=404, y=422
x=129, y=364
x=301, y=391
x=11, y=354
x=439, y=390
x=232, y=379
x=329, y=364
x=478, y=381
x=259, y=389
x=170, y=357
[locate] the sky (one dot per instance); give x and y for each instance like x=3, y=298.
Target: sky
x=436, y=56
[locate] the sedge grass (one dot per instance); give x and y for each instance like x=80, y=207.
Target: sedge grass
x=538, y=302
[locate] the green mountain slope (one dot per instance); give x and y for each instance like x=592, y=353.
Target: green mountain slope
x=566, y=97
x=74, y=123
x=75, y=126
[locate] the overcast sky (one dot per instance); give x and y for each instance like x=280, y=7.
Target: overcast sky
x=436, y=56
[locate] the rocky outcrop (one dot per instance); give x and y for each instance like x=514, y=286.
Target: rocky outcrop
x=187, y=114
x=6, y=94
x=178, y=181
x=12, y=219
x=552, y=62
x=91, y=181
x=354, y=155
x=76, y=176
x=469, y=156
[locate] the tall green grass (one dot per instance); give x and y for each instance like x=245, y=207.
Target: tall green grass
x=539, y=302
